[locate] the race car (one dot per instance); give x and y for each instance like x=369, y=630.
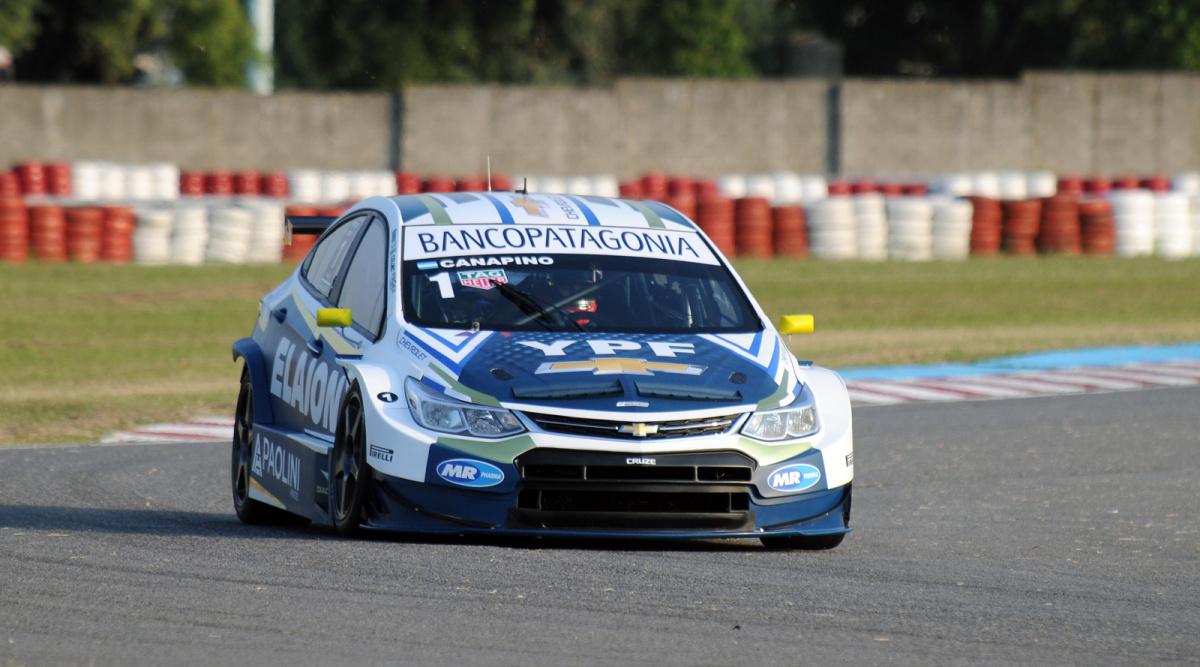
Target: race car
x=520, y=364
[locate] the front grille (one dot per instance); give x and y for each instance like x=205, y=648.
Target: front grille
x=565, y=489
x=604, y=428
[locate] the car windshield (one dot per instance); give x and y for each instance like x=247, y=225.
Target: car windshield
x=572, y=292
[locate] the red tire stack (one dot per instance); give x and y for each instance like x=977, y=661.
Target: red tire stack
x=275, y=184
x=33, y=178
x=655, y=186
x=10, y=184
x=116, y=240
x=706, y=188
x=986, y=226
x=1059, y=232
x=790, y=234
x=407, y=183
x=839, y=187
x=58, y=179
x=631, y=190
x=191, y=183
x=1157, y=183
x=753, y=232
x=1098, y=185
x=864, y=186
x=14, y=230
x=715, y=216
x=301, y=243
x=471, y=184
x=502, y=182
x=1127, y=183
x=1019, y=228
x=248, y=183
x=916, y=189
x=85, y=227
x=438, y=184
x=685, y=204
x=891, y=189
x=1097, y=228
x=219, y=182
x=1071, y=185
x=48, y=233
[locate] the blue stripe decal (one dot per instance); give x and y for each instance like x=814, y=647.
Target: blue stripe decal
x=428, y=382
x=773, y=367
x=454, y=368
x=505, y=215
x=411, y=208
x=587, y=212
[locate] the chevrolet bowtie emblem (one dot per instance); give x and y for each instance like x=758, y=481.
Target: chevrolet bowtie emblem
x=639, y=430
x=531, y=206
x=618, y=365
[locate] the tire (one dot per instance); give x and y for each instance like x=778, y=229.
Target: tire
x=350, y=477
x=803, y=542
x=249, y=510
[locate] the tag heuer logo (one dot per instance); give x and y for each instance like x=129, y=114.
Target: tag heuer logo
x=639, y=430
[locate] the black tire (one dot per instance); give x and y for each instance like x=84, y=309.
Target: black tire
x=249, y=510
x=350, y=477
x=803, y=542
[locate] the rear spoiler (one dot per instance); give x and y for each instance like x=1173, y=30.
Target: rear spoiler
x=305, y=224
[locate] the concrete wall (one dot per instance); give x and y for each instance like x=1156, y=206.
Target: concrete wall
x=194, y=128
x=1069, y=123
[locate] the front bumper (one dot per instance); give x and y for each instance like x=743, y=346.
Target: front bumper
x=582, y=493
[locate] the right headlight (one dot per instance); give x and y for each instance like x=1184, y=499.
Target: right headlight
x=438, y=412
x=796, y=420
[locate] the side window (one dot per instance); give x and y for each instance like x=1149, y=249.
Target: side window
x=327, y=257
x=363, y=291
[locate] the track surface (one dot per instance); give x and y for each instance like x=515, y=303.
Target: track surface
x=1061, y=530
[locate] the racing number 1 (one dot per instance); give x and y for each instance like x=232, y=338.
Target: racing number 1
x=443, y=282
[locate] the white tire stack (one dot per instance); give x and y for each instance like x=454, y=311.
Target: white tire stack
x=1187, y=182
x=266, y=232
x=910, y=228
x=871, y=227
x=165, y=177
x=1133, y=215
x=152, y=236
x=760, y=185
x=1041, y=184
x=789, y=188
x=112, y=182
x=985, y=184
x=732, y=186
x=606, y=185
x=139, y=182
x=304, y=186
x=189, y=236
x=1012, y=185
x=579, y=185
x=335, y=187
x=955, y=185
x=363, y=184
x=832, y=231
x=813, y=188
x=551, y=185
x=85, y=180
x=228, y=235
x=951, y=228
x=1172, y=225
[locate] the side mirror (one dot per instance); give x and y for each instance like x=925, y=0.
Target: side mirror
x=333, y=317
x=795, y=324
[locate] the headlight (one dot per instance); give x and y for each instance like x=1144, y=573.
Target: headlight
x=796, y=420
x=442, y=413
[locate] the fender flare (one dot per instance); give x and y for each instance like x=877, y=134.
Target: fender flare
x=248, y=350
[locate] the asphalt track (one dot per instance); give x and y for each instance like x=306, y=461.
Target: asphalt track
x=1057, y=530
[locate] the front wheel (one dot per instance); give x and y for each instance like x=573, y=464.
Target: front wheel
x=249, y=510
x=351, y=477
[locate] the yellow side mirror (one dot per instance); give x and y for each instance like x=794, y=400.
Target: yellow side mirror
x=795, y=324
x=333, y=317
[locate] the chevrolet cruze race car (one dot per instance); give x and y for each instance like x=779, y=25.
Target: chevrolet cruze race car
x=499, y=362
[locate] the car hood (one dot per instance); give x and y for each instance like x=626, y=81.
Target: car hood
x=608, y=372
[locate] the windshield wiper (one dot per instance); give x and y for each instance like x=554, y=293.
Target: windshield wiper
x=532, y=307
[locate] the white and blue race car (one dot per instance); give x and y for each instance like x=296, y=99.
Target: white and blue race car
x=500, y=362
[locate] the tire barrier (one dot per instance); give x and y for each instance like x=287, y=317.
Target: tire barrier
x=33, y=178
x=152, y=236
x=275, y=184
x=14, y=230
x=951, y=229
x=1020, y=224
x=987, y=216
x=247, y=183
x=1187, y=182
x=910, y=228
x=191, y=184
x=116, y=237
x=790, y=236
x=870, y=222
x=407, y=183
x=1172, y=225
x=753, y=232
x=48, y=233
x=432, y=184
x=715, y=215
x=85, y=227
x=832, y=229
x=1133, y=216
x=1058, y=232
x=654, y=186
x=684, y=203
x=1098, y=235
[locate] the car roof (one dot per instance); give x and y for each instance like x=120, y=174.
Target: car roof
x=472, y=208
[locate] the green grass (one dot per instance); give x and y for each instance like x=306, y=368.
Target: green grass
x=89, y=349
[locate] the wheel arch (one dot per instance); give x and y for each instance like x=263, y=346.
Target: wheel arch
x=247, y=350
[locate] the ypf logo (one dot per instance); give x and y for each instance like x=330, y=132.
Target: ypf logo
x=794, y=478
x=468, y=472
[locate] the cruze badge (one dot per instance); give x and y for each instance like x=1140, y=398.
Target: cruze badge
x=639, y=430
x=617, y=366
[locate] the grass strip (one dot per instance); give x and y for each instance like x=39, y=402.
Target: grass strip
x=91, y=349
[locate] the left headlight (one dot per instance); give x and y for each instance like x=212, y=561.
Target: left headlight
x=441, y=413
x=794, y=421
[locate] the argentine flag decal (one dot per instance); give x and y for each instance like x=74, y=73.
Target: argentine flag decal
x=427, y=265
